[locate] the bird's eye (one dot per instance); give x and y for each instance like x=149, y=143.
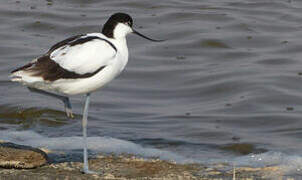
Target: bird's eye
x=128, y=23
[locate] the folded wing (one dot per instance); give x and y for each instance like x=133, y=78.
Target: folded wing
x=80, y=56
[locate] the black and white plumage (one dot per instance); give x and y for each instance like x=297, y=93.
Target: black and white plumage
x=80, y=64
x=77, y=65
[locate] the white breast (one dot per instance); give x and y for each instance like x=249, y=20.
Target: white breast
x=85, y=85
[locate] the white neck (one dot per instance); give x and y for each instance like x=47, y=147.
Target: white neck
x=121, y=30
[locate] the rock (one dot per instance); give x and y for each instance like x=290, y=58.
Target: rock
x=21, y=157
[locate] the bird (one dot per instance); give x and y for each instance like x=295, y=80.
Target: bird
x=80, y=64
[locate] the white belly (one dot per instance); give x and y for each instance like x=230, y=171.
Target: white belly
x=86, y=85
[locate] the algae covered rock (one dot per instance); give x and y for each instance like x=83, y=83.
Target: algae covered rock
x=20, y=156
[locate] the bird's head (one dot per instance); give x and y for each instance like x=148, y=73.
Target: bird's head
x=119, y=25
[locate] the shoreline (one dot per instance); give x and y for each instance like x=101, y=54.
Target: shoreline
x=124, y=166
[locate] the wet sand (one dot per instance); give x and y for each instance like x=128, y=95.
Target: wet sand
x=130, y=167
x=123, y=166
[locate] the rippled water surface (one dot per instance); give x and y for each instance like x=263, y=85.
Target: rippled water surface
x=225, y=84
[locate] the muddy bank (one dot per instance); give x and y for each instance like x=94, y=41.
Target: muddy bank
x=115, y=167
x=129, y=167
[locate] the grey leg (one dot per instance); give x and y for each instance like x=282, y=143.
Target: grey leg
x=84, y=124
x=64, y=99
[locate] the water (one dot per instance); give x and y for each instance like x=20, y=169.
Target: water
x=229, y=73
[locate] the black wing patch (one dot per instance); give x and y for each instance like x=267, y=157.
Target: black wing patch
x=64, y=42
x=49, y=70
x=77, y=40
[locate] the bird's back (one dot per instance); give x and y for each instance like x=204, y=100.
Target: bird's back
x=75, y=64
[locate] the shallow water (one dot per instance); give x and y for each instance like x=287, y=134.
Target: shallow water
x=229, y=73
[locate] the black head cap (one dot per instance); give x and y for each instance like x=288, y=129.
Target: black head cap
x=113, y=21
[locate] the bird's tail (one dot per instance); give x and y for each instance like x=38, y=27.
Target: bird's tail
x=22, y=74
x=16, y=76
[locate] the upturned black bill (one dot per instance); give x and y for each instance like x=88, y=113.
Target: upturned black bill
x=141, y=35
